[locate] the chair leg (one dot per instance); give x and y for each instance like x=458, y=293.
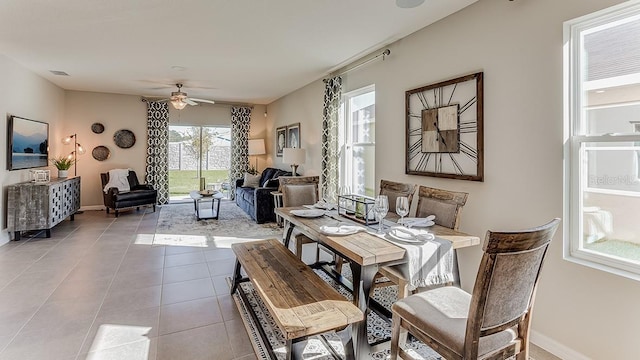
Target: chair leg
x=107, y=211
x=403, y=289
x=339, y=261
x=116, y=212
x=154, y=207
x=397, y=339
x=138, y=208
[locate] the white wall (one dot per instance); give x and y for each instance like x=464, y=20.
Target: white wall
x=579, y=312
x=27, y=95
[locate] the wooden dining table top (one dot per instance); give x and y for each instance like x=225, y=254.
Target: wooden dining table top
x=362, y=247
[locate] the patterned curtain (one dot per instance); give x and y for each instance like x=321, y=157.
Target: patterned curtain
x=332, y=97
x=240, y=121
x=157, y=149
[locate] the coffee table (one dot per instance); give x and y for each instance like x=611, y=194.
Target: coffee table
x=206, y=213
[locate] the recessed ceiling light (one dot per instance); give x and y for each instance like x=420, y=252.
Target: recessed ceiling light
x=408, y=4
x=58, y=72
x=178, y=68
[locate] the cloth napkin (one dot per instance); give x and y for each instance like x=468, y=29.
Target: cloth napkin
x=421, y=222
x=427, y=264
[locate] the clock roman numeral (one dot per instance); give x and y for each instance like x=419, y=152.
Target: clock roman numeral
x=469, y=151
x=452, y=92
x=423, y=100
x=423, y=162
x=466, y=106
x=457, y=166
x=468, y=127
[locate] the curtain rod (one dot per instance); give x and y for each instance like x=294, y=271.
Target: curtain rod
x=384, y=54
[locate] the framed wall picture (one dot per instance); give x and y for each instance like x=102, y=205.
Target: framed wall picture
x=281, y=139
x=444, y=124
x=293, y=135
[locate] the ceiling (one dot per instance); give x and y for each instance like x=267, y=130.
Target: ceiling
x=248, y=51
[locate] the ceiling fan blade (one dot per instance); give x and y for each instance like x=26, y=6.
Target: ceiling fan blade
x=203, y=100
x=189, y=101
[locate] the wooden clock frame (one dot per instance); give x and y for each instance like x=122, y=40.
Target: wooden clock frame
x=440, y=128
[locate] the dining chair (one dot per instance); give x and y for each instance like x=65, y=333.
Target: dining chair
x=446, y=206
x=298, y=191
x=494, y=321
x=394, y=190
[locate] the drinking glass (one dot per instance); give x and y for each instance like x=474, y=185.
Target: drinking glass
x=381, y=208
x=344, y=204
x=402, y=207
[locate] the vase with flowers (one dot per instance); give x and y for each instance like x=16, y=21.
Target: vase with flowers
x=63, y=163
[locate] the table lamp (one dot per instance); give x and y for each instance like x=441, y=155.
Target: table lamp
x=294, y=157
x=256, y=147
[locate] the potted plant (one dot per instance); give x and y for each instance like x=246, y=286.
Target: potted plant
x=63, y=163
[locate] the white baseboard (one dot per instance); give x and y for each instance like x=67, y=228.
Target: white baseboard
x=556, y=348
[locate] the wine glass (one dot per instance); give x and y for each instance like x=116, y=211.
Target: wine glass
x=402, y=207
x=381, y=207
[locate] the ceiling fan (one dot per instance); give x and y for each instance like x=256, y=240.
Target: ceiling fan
x=180, y=99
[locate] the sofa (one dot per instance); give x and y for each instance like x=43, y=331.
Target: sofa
x=258, y=201
x=140, y=194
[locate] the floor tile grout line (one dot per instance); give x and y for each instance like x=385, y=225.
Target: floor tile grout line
x=95, y=317
x=52, y=291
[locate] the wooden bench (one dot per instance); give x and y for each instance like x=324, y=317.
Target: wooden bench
x=301, y=303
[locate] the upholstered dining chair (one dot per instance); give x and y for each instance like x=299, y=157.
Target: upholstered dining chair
x=491, y=323
x=446, y=206
x=298, y=191
x=394, y=190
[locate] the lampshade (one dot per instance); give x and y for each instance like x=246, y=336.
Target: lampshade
x=294, y=156
x=256, y=147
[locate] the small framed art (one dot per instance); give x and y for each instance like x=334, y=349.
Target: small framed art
x=281, y=140
x=293, y=135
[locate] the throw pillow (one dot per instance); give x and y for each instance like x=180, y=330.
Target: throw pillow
x=251, y=180
x=271, y=183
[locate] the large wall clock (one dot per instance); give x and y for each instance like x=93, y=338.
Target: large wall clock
x=445, y=129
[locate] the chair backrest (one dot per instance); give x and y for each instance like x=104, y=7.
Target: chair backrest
x=394, y=190
x=299, y=190
x=506, y=283
x=445, y=205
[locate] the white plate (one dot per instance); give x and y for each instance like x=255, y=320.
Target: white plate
x=410, y=235
x=308, y=213
x=341, y=230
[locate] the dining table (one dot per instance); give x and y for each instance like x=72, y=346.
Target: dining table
x=365, y=251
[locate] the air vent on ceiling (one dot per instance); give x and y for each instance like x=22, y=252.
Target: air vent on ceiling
x=59, y=73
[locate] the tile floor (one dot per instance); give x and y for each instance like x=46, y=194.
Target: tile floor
x=99, y=289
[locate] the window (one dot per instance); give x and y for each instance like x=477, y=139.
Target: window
x=602, y=140
x=356, y=140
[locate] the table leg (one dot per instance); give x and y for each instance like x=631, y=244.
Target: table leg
x=362, y=280
x=288, y=231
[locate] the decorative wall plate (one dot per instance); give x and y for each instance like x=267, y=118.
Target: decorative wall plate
x=97, y=128
x=124, y=138
x=101, y=153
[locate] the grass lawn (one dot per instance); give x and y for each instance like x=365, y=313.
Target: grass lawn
x=181, y=182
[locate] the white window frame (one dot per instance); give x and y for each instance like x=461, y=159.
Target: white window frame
x=346, y=145
x=575, y=178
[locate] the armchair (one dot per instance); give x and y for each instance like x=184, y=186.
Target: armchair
x=140, y=194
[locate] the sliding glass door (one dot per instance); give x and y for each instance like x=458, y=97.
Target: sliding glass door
x=199, y=156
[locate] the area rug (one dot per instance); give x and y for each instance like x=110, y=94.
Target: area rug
x=232, y=221
x=378, y=329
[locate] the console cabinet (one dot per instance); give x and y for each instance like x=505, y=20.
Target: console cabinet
x=41, y=206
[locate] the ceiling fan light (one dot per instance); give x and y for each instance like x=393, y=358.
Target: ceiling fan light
x=178, y=104
x=408, y=4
